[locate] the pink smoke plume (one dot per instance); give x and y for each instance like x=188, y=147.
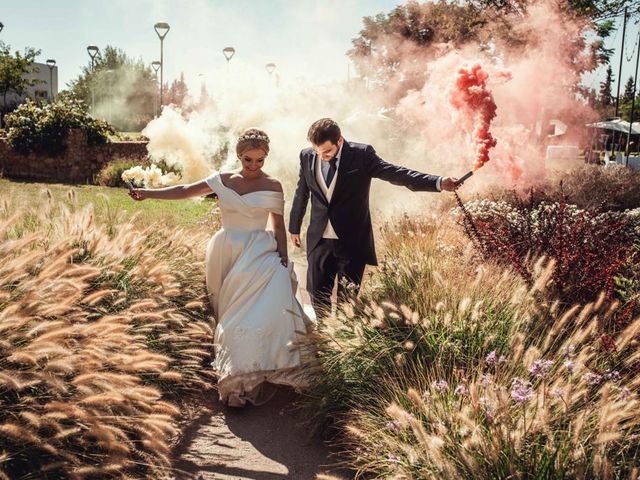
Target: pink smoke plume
x=474, y=100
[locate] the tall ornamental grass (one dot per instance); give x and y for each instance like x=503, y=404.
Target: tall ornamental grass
x=448, y=366
x=103, y=333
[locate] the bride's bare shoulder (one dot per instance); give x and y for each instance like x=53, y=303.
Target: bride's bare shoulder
x=271, y=183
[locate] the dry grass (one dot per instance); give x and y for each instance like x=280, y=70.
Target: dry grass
x=102, y=332
x=451, y=368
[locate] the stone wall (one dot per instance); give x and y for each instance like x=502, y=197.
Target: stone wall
x=79, y=163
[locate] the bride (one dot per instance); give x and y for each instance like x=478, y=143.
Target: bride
x=250, y=280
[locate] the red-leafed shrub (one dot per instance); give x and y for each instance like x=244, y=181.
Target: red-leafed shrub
x=589, y=248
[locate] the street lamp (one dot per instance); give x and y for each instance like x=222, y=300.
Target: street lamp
x=51, y=63
x=109, y=76
x=156, y=66
x=161, y=29
x=270, y=67
x=92, y=50
x=228, y=53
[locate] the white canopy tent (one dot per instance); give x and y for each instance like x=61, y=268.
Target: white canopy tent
x=617, y=125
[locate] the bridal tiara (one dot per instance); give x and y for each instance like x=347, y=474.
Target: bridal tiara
x=253, y=136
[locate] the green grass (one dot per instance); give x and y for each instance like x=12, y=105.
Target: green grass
x=108, y=202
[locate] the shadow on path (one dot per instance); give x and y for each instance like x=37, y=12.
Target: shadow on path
x=258, y=443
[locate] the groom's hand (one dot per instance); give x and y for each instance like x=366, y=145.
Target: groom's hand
x=295, y=239
x=449, y=184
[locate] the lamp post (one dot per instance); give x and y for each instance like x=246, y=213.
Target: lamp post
x=156, y=66
x=109, y=76
x=270, y=67
x=92, y=50
x=51, y=63
x=228, y=53
x=161, y=29
x=633, y=105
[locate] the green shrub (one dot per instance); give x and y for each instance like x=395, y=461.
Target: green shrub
x=111, y=173
x=33, y=127
x=589, y=187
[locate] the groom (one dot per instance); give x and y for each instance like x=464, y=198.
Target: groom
x=337, y=174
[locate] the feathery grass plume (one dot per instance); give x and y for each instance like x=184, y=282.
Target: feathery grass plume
x=90, y=348
x=502, y=379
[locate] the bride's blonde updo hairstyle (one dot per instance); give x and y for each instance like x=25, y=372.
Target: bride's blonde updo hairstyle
x=252, y=138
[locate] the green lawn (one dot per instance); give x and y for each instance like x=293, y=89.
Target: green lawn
x=108, y=201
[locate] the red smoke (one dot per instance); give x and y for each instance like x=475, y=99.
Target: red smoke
x=471, y=96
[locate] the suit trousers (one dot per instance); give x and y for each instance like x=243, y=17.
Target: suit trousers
x=328, y=260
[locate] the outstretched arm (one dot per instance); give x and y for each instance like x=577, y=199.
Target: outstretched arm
x=299, y=206
x=177, y=192
x=412, y=179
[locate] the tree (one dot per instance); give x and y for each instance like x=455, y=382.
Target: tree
x=125, y=90
x=605, y=97
x=596, y=10
x=14, y=70
x=627, y=96
x=391, y=50
x=625, y=110
x=204, y=99
x=592, y=98
x=177, y=94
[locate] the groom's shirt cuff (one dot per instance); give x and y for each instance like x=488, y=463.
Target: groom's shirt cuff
x=438, y=181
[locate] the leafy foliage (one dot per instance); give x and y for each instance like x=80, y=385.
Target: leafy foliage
x=43, y=128
x=588, y=248
x=124, y=90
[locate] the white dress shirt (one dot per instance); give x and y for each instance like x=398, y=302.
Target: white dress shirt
x=321, y=169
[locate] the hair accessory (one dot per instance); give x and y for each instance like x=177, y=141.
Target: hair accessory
x=253, y=136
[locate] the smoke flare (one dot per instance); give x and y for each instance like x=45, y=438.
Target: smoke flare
x=472, y=97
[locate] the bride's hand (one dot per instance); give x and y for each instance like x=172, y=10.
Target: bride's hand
x=137, y=194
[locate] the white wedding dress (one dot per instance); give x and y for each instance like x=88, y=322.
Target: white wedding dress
x=258, y=318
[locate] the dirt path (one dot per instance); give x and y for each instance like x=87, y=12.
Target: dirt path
x=269, y=442
x=259, y=443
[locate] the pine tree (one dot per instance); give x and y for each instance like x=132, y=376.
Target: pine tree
x=204, y=97
x=178, y=92
x=605, y=97
x=627, y=96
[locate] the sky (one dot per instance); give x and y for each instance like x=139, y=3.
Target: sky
x=304, y=38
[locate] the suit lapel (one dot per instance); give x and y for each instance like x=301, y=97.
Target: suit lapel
x=314, y=181
x=345, y=158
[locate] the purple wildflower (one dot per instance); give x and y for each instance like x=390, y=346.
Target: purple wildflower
x=521, y=390
x=461, y=390
x=493, y=360
x=625, y=393
x=391, y=457
x=487, y=408
x=540, y=368
x=486, y=379
x=592, y=378
x=394, y=426
x=569, y=365
x=556, y=392
x=440, y=386
x=613, y=376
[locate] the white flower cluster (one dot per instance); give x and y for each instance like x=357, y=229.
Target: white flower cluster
x=542, y=218
x=150, y=177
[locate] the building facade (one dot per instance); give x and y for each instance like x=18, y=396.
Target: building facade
x=45, y=89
